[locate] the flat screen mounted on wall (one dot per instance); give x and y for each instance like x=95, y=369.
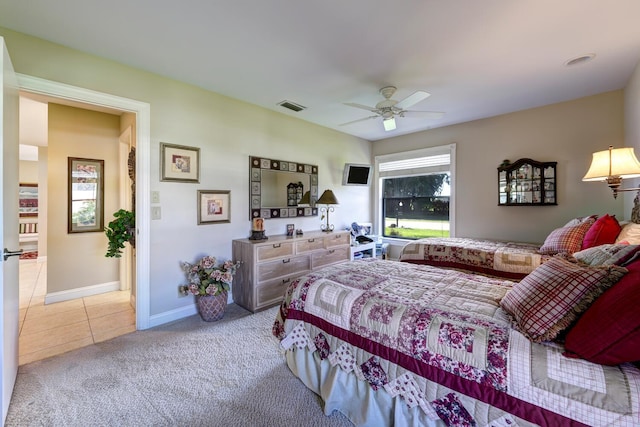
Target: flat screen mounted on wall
x=356, y=174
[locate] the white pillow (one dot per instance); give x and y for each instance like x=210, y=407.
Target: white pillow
x=630, y=233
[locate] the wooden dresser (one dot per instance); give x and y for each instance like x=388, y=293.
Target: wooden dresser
x=267, y=266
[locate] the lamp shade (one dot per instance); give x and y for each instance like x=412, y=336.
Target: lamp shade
x=327, y=198
x=618, y=162
x=306, y=199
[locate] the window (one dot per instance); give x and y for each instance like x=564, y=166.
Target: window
x=415, y=190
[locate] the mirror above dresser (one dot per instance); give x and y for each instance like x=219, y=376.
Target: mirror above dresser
x=278, y=188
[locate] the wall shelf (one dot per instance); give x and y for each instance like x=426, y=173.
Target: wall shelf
x=527, y=182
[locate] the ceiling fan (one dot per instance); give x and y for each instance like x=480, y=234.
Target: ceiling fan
x=389, y=108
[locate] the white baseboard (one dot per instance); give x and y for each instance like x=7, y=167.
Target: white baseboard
x=86, y=291
x=171, y=315
x=177, y=314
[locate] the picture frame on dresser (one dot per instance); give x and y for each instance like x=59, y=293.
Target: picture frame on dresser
x=179, y=163
x=214, y=206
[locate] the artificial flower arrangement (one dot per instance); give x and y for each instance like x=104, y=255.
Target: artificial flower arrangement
x=207, y=278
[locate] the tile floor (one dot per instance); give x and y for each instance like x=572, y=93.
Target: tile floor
x=47, y=330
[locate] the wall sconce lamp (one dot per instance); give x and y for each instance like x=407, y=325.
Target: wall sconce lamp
x=329, y=199
x=614, y=165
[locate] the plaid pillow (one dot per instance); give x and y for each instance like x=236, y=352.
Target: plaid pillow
x=566, y=239
x=551, y=297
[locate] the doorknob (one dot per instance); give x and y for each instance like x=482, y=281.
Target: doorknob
x=8, y=253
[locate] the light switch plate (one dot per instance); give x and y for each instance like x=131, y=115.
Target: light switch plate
x=155, y=212
x=155, y=197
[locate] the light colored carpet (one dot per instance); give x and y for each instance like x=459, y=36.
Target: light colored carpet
x=187, y=373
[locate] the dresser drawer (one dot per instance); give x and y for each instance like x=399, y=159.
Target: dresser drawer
x=283, y=267
x=330, y=256
x=275, y=250
x=271, y=292
x=311, y=244
x=337, y=239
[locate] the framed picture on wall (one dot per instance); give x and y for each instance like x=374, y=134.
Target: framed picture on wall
x=179, y=163
x=86, y=195
x=28, y=199
x=214, y=206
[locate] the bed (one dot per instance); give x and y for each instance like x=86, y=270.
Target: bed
x=510, y=260
x=515, y=260
x=396, y=343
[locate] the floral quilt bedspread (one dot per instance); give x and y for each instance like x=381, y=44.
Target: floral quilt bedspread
x=511, y=260
x=439, y=340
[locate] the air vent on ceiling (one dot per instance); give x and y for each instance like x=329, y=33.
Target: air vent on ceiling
x=291, y=106
x=580, y=59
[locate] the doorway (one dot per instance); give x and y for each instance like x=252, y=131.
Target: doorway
x=72, y=95
x=54, y=320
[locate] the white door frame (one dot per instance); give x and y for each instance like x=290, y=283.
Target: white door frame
x=142, y=110
x=124, y=148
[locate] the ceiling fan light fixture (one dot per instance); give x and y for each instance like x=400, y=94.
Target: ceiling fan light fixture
x=388, y=109
x=389, y=124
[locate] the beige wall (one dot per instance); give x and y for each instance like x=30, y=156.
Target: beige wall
x=566, y=133
x=76, y=260
x=28, y=171
x=227, y=132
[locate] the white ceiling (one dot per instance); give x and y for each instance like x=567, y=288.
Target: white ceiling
x=477, y=58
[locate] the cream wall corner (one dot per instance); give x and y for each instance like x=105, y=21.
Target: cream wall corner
x=566, y=133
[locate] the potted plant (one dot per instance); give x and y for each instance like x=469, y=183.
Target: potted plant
x=210, y=283
x=120, y=231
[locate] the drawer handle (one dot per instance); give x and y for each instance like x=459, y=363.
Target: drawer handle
x=332, y=251
x=276, y=245
x=286, y=280
x=286, y=261
x=311, y=240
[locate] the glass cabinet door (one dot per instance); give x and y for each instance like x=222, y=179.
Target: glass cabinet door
x=527, y=182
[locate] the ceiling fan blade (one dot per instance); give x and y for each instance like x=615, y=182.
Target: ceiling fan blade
x=425, y=114
x=363, y=107
x=359, y=120
x=412, y=99
x=389, y=124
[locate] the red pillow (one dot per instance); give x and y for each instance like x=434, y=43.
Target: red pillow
x=608, y=333
x=604, y=231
